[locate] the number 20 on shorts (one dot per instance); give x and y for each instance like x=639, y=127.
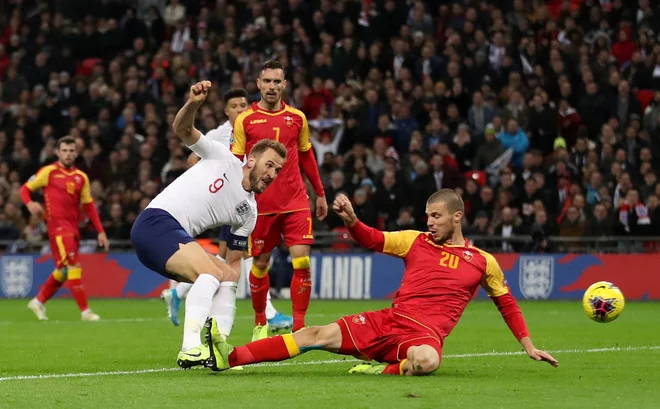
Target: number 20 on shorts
x=449, y=260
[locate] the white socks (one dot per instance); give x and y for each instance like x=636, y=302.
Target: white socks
x=198, y=305
x=182, y=290
x=246, y=267
x=270, y=310
x=223, y=308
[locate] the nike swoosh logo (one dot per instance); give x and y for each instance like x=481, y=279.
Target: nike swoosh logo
x=195, y=355
x=225, y=175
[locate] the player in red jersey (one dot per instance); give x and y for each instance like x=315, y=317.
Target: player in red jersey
x=284, y=208
x=65, y=188
x=442, y=273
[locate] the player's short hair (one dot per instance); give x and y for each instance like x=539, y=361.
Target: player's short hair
x=265, y=144
x=272, y=65
x=450, y=198
x=65, y=140
x=234, y=93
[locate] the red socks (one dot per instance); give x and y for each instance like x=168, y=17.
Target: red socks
x=57, y=279
x=259, y=287
x=278, y=348
x=301, y=291
x=51, y=286
x=78, y=293
x=394, y=369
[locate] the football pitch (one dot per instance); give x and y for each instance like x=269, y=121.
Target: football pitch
x=128, y=361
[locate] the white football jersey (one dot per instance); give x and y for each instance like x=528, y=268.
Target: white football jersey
x=222, y=134
x=210, y=193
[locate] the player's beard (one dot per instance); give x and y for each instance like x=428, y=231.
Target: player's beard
x=255, y=182
x=271, y=97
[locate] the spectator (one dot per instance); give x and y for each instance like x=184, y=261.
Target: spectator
x=479, y=115
x=404, y=221
x=506, y=229
x=572, y=226
x=390, y=196
x=422, y=93
x=634, y=220
x=516, y=139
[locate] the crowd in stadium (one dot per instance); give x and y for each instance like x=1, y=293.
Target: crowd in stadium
x=546, y=117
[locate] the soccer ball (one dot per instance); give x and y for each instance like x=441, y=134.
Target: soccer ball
x=603, y=301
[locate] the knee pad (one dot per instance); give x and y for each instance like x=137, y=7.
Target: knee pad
x=301, y=263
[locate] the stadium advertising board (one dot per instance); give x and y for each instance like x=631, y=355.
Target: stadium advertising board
x=355, y=275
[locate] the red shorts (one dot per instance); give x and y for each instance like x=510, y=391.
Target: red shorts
x=383, y=336
x=65, y=249
x=295, y=227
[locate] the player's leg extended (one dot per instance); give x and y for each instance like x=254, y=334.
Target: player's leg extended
x=54, y=281
x=297, y=231
x=277, y=348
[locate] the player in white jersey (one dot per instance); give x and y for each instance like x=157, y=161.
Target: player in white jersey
x=218, y=191
x=235, y=101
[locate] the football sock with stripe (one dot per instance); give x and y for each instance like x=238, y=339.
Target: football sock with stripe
x=394, y=369
x=51, y=286
x=278, y=348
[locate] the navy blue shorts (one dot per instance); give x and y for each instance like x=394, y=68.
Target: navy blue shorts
x=156, y=236
x=224, y=232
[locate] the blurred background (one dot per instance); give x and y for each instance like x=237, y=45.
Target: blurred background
x=544, y=115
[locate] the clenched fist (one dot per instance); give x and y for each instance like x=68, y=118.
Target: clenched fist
x=199, y=92
x=344, y=209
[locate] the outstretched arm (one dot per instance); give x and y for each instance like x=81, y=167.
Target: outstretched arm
x=496, y=287
x=393, y=243
x=184, y=121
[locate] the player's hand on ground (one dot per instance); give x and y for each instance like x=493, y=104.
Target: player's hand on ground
x=538, y=355
x=344, y=209
x=35, y=208
x=103, y=241
x=321, y=207
x=199, y=92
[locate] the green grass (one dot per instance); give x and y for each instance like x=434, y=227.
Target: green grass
x=612, y=364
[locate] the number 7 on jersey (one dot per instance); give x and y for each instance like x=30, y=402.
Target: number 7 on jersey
x=277, y=133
